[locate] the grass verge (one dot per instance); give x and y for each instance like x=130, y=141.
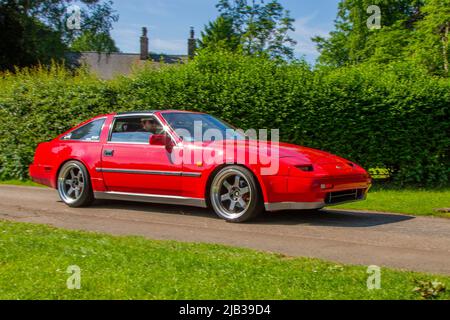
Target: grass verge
x=408, y=201
x=28, y=183
x=34, y=261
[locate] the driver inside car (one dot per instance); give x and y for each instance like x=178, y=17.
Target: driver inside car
x=150, y=125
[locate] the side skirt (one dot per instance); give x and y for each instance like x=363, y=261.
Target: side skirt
x=151, y=198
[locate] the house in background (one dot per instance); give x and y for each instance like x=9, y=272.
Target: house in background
x=109, y=65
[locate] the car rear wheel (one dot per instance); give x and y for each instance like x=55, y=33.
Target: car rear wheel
x=234, y=195
x=74, y=185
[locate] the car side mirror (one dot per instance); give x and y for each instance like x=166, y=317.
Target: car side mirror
x=158, y=140
x=162, y=140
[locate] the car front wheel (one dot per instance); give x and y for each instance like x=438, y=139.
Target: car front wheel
x=234, y=195
x=74, y=186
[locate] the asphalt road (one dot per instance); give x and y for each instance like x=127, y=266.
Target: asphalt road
x=398, y=241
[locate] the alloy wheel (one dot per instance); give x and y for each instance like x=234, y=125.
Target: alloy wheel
x=71, y=183
x=231, y=194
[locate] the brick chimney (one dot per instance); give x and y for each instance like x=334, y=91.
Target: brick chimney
x=144, y=44
x=192, y=44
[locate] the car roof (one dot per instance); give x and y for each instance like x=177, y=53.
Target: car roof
x=152, y=111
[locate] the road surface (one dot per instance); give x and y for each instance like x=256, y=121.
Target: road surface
x=391, y=240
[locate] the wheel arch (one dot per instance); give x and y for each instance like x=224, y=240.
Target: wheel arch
x=258, y=179
x=62, y=165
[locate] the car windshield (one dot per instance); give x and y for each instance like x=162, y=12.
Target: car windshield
x=194, y=127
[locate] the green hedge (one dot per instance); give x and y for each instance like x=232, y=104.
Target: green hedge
x=394, y=117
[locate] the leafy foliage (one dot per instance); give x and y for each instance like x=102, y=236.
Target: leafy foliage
x=353, y=42
x=98, y=42
x=394, y=117
x=36, y=105
x=220, y=35
x=33, y=32
x=25, y=40
x=431, y=43
x=414, y=30
x=262, y=27
x=430, y=289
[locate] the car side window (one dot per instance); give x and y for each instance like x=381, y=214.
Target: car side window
x=89, y=132
x=135, y=129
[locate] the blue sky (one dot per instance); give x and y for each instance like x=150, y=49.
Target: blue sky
x=168, y=22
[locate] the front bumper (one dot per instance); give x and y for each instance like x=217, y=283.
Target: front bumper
x=317, y=193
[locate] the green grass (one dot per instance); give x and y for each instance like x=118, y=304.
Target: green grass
x=34, y=260
x=408, y=201
x=28, y=183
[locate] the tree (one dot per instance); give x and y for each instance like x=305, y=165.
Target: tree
x=25, y=40
x=36, y=31
x=262, y=27
x=430, y=46
x=415, y=30
x=98, y=42
x=354, y=42
x=219, y=34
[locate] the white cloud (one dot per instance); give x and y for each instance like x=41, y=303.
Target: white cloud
x=304, y=31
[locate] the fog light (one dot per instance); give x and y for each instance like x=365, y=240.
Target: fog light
x=326, y=186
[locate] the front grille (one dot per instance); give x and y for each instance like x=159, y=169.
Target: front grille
x=344, y=196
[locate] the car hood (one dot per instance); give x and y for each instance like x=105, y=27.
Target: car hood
x=302, y=155
x=286, y=151
x=307, y=155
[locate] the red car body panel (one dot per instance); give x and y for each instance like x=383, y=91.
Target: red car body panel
x=288, y=187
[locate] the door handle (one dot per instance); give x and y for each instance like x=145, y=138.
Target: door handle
x=108, y=153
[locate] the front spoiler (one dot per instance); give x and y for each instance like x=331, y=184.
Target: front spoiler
x=282, y=206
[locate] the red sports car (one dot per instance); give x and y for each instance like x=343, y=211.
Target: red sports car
x=193, y=159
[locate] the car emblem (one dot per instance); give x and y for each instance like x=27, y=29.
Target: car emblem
x=338, y=167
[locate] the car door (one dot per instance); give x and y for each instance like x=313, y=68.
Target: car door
x=130, y=164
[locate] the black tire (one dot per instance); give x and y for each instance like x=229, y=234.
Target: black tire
x=235, y=199
x=74, y=185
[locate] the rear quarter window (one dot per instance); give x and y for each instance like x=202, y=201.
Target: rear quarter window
x=89, y=132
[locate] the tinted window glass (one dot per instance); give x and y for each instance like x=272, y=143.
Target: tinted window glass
x=187, y=124
x=135, y=129
x=88, y=132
